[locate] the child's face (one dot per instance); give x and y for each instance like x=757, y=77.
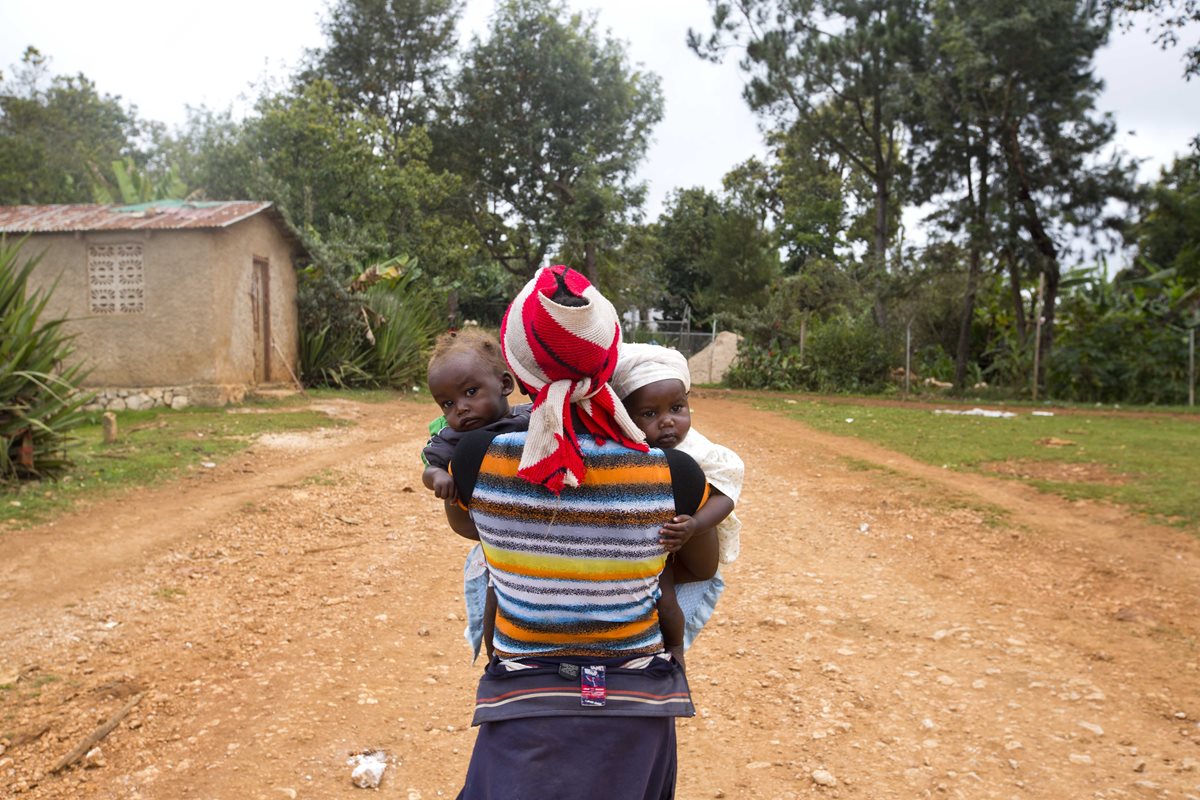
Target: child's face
x=661, y=410
x=468, y=391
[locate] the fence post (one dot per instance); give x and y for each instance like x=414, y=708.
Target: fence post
x=803, y=335
x=1191, y=366
x=712, y=350
x=1037, y=336
x=907, y=358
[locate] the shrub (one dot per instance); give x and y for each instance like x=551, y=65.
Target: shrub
x=759, y=367
x=39, y=398
x=373, y=333
x=842, y=354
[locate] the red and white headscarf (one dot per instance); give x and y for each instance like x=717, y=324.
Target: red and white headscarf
x=566, y=354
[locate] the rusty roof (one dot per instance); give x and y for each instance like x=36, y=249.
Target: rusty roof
x=159, y=215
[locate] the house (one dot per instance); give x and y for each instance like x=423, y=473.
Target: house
x=171, y=302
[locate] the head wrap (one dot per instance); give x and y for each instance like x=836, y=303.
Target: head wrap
x=642, y=364
x=560, y=339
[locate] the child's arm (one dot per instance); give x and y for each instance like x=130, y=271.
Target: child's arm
x=459, y=520
x=676, y=533
x=440, y=482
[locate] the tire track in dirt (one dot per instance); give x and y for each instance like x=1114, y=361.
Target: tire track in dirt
x=73, y=556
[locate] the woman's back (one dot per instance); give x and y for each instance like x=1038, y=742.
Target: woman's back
x=575, y=573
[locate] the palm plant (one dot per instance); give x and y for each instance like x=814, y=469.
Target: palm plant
x=39, y=397
x=375, y=332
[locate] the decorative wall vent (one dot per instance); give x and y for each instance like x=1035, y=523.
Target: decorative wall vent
x=116, y=280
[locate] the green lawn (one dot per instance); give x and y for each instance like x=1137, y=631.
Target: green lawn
x=1150, y=463
x=155, y=446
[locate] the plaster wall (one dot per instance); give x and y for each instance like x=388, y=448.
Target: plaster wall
x=197, y=326
x=171, y=341
x=240, y=356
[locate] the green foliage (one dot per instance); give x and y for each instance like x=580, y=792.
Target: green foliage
x=1125, y=341
x=389, y=57
x=39, y=401
x=758, y=367
x=841, y=70
x=375, y=334
x=841, y=354
x=716, y=255
x=849, y=354
x=130, y=185
x=549, y=124
x=1168, y=232
x=53, y=132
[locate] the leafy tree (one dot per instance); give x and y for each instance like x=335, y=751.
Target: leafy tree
x=1171, y=17
x=1009, y=144
x=955, y=125
x=717, y=256
x=811, y=200
x=389, y=58
x=54, y=131
x=840, y=69
x=548, y=126
x=326, y=169
x=1168, y=232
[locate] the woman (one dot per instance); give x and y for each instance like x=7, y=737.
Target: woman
x=580, y=699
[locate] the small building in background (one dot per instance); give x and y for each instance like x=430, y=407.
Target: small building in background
x=172, y=303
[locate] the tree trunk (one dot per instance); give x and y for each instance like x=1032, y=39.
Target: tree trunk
x=1049, y=300
x=589, y=263
x=968, y=315
x=978, y=237
x=1032, y=222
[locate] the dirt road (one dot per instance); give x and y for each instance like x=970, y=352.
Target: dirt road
x=891, y=630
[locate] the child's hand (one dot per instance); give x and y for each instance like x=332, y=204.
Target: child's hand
x=444, y=488
x=676, y=533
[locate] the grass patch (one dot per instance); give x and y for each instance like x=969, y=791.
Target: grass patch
x=169, y=593
x=1148, y=463
x=153, y=446
x=990, y=515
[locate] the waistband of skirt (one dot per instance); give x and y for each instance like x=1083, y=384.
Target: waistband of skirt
x=643, y=686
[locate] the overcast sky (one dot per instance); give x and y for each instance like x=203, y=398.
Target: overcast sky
x=163, y=57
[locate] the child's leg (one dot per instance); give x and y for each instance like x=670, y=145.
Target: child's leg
x=698, y=559
x=489, y=620
x=670, y=615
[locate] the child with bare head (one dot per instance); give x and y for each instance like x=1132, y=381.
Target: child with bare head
x=470, y=383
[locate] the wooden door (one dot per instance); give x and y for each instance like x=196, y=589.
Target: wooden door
x=260, y=313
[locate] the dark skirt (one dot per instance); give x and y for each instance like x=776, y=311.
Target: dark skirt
x=573, y=758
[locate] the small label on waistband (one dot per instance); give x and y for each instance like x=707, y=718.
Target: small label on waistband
x=592, y=689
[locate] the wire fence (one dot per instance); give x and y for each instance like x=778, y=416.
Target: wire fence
x=678, y=334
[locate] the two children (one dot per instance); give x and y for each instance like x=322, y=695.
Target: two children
x=470, y=383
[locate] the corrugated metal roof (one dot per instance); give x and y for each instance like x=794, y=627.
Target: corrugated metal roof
x=159, y=215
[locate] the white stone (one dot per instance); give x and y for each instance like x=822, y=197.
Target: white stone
x=179, y=401
x=1092, y=727
x=823, y=778
x=93, y=758
x=116, y=404
x=368, y=769
x=1080, y=758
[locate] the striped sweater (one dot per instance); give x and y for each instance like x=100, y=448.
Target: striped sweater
x=575, y=574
